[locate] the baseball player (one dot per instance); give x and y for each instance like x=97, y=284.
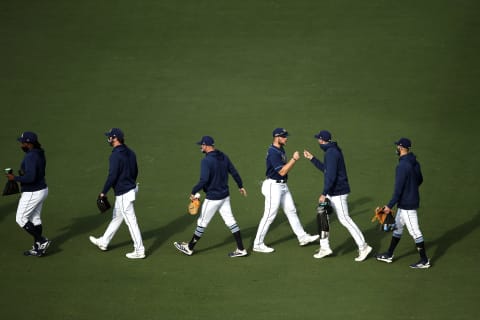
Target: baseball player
x=336, y=189
x=122, y=175
x=34, y=192
x=406, y=196
x=215, y=167
x=276, y=192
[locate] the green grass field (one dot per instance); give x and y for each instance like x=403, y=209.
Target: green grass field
x=168, y=72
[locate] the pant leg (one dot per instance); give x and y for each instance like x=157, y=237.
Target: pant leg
x=128, y=211
x=36, y=215
x=209, y=208
x=291, y=212
x=272, y=192
x=340, y=205
x=410, y=220
x=117, y=219
x=226, y=213
x=30, y=207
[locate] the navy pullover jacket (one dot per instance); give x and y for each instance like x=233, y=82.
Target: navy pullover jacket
x=123, y=171
x=33, y=168
x=336, y=180
x=214, y=170
x=408, y=177
x=275, y=161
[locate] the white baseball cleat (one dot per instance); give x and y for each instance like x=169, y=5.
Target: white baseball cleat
x=135, y=255
x=96, y=241
x=263, y=248
x=306, y=239
x=322, y=253
x=363, y=254
x=238, y=253
x=183, y=247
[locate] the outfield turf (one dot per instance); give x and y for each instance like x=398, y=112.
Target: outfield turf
x=168, y=72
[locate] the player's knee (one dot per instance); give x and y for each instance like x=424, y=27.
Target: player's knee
x=21, y=221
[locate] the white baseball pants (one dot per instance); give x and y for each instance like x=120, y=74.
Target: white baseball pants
x=30, y=207
x=124, y=211
x=340, y=205
x=408, y=218
x=210, y=207
x=276, y=195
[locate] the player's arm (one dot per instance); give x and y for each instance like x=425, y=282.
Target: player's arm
x=400, y=178
x=30, y=171
x=289, y=165
x=204, y=174
x=113, y=173
x=236, y=176
x=330, y=172
x=317, y=163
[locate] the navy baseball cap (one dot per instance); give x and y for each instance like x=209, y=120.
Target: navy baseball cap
x=206, y=140
x=28, y=136
x=404, y=142
x=280, y=132
x=324, y=135
x=115, y=132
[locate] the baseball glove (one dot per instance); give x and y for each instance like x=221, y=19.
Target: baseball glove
x=194, y=206
x=11, y=187
x=386, y=220
x=103, y=204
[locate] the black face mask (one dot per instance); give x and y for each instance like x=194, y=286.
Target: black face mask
x=397, y=151
x=25, y=149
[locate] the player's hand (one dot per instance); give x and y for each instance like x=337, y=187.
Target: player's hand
x=321, y=199
x=243, y=192
x=10, y=177
x=386, y=209
x=307, y=154
x=296, y=155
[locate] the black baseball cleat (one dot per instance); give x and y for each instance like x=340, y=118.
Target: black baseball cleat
x=32, y=252
x=42, y=247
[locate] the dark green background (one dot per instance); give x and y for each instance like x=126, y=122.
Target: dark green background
x=168, y=72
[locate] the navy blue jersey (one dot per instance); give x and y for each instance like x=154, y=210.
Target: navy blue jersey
x=214, y=171
x=334, y=169
x=123, y=171
x=275, y=161
x=408, y=177
x=33, y=167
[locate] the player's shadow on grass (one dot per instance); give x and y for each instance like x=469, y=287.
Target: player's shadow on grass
x=79, y=226
x=444, y=242
x=7, y=209
x=160, y=234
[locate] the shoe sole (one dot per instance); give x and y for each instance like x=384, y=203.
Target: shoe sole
x=135, y=257
x=323, y=256
x=237, y=255
x=384, y=260
x=302, y=244
x=262, y=251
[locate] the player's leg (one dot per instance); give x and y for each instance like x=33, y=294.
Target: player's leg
x=25, y=209
x=271, y=191
x=209, y=208
x=227, y=216
x=117, y=219
x=411, y=222
x=290, y=211
x=35, y=218
x=396, y=236
x=128, y=212
x=340, y=205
